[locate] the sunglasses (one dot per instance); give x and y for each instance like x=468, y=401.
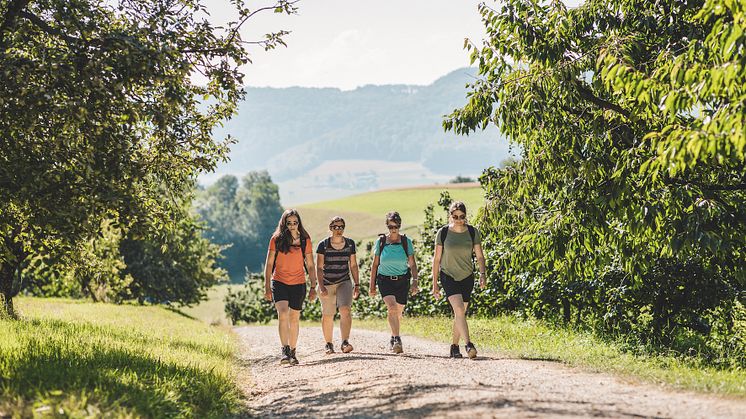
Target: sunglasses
x=392, y=226
x=337, y=227
x=291, y=223
x=459, y=217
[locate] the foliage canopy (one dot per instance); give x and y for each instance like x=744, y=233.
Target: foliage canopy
x=628, y=202
x=100, y=116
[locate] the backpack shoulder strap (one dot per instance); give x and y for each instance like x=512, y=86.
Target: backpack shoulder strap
x=472, y=233
x=381, y=243
x=327, y=243
x=405, y=245
x=303, y=251
x=442, y=233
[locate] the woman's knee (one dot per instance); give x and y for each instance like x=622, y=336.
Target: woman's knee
x=345, y=311
x=294, y=315
x=283, y=313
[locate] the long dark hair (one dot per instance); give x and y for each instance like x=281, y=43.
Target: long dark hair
x=283, y=238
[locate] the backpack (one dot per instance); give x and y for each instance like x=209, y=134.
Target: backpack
x=302, y=252
x=443, y=232
x=382, y=243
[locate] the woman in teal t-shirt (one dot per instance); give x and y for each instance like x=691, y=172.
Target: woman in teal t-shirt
x=453, y=265
x=393, y=266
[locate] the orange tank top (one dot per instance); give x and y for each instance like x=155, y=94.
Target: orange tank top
x=289, y=267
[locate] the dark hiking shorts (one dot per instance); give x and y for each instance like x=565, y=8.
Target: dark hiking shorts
x=398, y=288
x=453, y=287
x=293, y=294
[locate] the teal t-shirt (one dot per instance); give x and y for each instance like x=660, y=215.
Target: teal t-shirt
x=393, y=260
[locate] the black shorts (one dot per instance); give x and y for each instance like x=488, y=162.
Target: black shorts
x=293, y=294
x=398, y=288
x=453, y=287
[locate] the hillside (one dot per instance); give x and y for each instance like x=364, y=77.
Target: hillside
x=365, y=213
x=292, y=131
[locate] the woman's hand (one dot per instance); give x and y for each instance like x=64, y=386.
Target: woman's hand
x=312, y=294
x=372, y=291
x=355, y=292
x=483, y=281
x=436, y=292
x=268, y=294
x=414, y=289
x=322, y=290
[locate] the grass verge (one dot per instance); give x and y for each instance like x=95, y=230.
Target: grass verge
x=212, y=309
x=80, y=359
x=534, y=340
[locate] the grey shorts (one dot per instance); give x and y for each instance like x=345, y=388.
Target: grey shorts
x=338, y=295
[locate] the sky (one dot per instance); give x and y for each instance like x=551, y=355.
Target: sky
x=351, y=43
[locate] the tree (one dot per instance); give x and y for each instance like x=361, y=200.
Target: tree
x=171, y=265
x=99, y=115
x=242, y=218
x=631, y=119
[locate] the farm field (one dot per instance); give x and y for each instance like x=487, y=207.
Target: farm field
x=365, y=213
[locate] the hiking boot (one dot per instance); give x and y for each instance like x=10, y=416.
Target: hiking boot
x=285, y=360
x=293, y=359
x=455, y=352
x=397, y=346
x=391, y=344
x=346, y=347
x=329, y=348
x=471, y=350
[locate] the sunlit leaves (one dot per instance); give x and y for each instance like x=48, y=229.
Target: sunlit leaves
x=630, y=117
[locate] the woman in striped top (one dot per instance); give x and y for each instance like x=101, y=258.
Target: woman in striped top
x=336, y=269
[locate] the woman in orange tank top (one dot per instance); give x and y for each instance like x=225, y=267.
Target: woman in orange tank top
x=289, y=257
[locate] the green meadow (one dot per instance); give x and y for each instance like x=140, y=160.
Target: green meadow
x=72, y=358
x=365, y=213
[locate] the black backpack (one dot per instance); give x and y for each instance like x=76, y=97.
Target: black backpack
x=302, y=252
x=443, y=232
x=382, y=243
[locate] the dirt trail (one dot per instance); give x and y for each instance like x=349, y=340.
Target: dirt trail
x=423, y=381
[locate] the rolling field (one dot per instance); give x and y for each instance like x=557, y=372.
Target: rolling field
x=365, y=213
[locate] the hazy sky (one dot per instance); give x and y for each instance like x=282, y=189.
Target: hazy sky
x=350, y=43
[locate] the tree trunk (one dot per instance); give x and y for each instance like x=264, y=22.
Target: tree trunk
x=7, y=271
x=566, y=310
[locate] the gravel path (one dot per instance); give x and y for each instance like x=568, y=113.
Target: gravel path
x=423, y=381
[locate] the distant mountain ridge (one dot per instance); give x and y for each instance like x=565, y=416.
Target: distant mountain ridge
x=291, y=131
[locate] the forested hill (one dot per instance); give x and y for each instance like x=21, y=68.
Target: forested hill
x=292, y=130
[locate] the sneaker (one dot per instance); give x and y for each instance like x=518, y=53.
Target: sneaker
x=346, y=347
x=455, y=352
x=329, y=348
x=397, y=346
x=293, y=359
x=391, y=344
x=471, y=350
x=285, y=360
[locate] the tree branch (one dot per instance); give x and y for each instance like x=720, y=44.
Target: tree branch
x=36, y=20
x=588, y=95
x=14, y=8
